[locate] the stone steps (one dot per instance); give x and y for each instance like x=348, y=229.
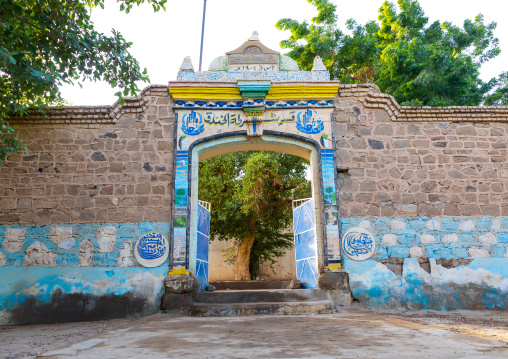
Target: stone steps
x=257, y=296
x=250, y=284
x=262, y=308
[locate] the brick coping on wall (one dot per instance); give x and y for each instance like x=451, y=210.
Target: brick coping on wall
x=371, y=97
x=95, y=114
x=368, y=94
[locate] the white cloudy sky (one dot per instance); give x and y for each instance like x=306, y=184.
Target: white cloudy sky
x=161, y=40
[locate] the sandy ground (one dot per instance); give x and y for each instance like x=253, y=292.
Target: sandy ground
x=355, y=332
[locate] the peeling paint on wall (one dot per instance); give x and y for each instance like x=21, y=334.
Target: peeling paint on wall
x=62, y=273
x=53, y=294
x=440, y=263
x=481, y=284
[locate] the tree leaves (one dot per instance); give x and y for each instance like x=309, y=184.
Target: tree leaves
x=45, y=43
x=417, y=63
x=251, y=193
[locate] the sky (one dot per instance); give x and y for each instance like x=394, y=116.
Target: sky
x=162, y=40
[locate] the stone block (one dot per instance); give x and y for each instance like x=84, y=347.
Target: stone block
x=333, y=281
x=106, y=238
x=433, y=225
x=401, y=143
x=358, y=143
x=376, y=145
x=179, y=284
x=383, y=130
x=502, y=237
x=85, y=253
x=62, y=237
x=397, y=224
x=37, y=254
x=491, y=210
x=467, y=225
x=426, y=238
x=417, y=252
x=365, y=224
x=488, y=238
x=478, y=252
x=389, y=239
x=14, y=239
x=467, y=131
x=7, y=203
x=98, y=156
x=450, y=238
x=398, y=252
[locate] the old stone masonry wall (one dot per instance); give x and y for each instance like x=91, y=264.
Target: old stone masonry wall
x=94, y=180
x=430, y=185
x=86, y=215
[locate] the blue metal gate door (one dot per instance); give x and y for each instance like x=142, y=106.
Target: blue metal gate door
x=203, y=239
x=305, y=242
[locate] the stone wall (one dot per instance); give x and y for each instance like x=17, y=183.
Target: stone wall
x=94, y=180
x=429, y=184
x=429, y=166
x=93, y=165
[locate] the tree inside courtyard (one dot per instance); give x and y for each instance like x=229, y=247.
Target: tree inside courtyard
x=251, y=195
x=417, y=62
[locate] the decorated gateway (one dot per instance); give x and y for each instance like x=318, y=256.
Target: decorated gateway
x=407, y=202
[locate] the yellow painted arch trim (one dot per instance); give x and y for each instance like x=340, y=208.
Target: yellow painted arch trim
x=295, y=92
x=205, y=93
x=302, y=92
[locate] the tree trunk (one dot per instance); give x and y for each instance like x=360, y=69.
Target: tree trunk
x=242, y=261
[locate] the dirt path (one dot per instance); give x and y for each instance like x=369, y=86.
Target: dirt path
x=355, y=332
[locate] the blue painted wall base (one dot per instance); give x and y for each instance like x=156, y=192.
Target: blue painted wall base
x=56, y=295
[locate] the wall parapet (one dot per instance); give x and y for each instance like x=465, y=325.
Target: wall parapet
x=370, y=96
x=108, y=114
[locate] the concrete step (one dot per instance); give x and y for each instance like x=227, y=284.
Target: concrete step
x=262, y=295
x=250, y=284
x=265, y=308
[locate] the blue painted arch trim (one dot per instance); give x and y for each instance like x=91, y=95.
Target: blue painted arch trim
x=275, y=134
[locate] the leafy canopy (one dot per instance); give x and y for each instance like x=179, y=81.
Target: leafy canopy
x=251, y=194
x=418, y=63
x=46, y=43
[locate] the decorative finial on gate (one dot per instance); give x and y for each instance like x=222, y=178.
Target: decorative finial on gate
x=254, y=36
x=187, y=64
x=318, y=64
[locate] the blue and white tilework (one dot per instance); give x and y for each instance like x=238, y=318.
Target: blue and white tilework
x=181, y=198
x=223, y=76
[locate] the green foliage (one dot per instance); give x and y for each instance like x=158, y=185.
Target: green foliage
x=46, y=43
x=251, y=193
x=500, y=96
x=418, y=63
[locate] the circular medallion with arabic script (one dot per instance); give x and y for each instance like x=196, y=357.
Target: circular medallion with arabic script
x=151, y=250
x=358, y=244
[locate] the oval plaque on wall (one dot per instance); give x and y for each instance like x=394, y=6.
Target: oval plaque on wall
x=358, y=244
x=151, y=250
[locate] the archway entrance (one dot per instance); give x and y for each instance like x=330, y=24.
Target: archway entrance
x=310, y=245
x=248, y=103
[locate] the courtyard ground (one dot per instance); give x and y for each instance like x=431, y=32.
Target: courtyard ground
x=355, y=332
